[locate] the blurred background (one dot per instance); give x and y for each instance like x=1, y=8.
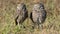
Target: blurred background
x=8, y=11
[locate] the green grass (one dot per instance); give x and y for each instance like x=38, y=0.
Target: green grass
x=8, y=11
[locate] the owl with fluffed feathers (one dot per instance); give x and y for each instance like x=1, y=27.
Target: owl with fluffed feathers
x=22, y=13
x=38, y=14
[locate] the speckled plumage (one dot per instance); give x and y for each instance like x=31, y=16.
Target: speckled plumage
x=22, y=13
x=38, y=14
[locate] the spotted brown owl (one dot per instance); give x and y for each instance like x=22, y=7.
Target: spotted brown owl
x=38, y=14
x=22, y=13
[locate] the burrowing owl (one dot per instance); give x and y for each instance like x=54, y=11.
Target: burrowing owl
x=38, y=14
x=22, y=13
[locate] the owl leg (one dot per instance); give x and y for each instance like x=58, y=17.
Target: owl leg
x=16, y=22
x=40, y=26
